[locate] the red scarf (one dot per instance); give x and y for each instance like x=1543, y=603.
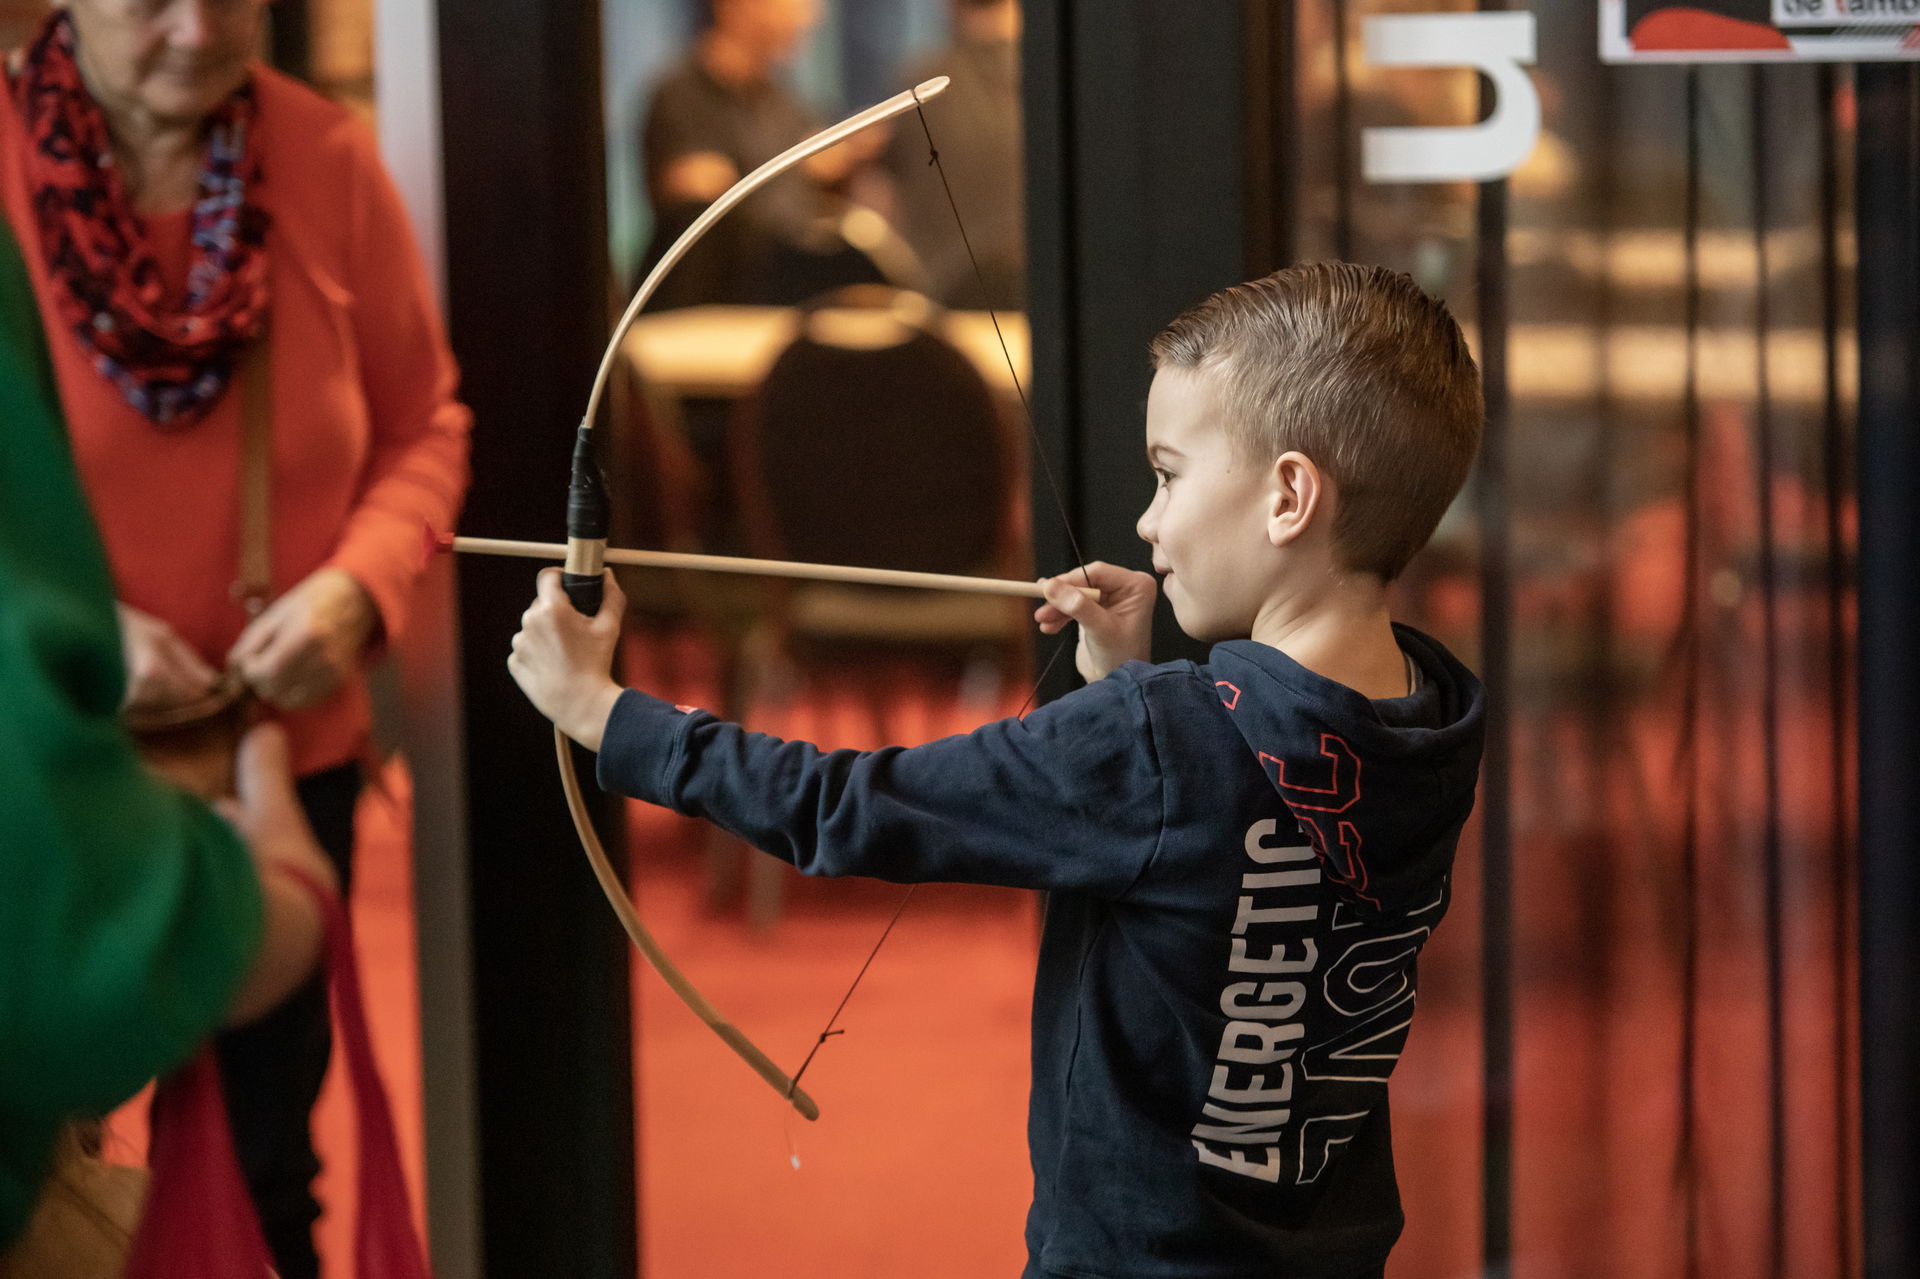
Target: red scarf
x=170, y=357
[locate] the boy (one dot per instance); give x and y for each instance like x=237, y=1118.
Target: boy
x=1245, y=857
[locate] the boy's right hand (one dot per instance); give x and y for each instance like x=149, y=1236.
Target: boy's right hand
x=1117, y=629
x=563, y=661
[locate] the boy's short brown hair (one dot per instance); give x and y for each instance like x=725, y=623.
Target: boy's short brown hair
x=1360, y=370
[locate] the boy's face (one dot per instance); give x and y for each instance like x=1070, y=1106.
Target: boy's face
x=1207, y=522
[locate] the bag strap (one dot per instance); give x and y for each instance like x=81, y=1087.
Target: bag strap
x=254, y=587
x=385, y=1244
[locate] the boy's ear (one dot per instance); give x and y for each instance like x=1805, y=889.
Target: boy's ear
x=1298, y=491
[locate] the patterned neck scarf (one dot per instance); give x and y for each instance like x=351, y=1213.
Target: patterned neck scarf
x=170, y=357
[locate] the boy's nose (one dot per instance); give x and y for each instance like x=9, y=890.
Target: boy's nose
x=1145, y=525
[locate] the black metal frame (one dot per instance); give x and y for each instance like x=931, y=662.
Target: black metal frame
x=1493, y=509
x=528, y=309
x=290, y=38
x=1888, y=180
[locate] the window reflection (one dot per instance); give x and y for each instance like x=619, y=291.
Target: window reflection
x=824, y=379
x=1678, y=535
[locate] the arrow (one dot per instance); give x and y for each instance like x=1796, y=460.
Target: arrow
x=557, y=551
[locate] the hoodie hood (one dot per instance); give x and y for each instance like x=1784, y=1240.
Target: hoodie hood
x=1380, y=788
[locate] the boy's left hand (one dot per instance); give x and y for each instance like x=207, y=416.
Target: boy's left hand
x=1116, y=630
x=563, y=661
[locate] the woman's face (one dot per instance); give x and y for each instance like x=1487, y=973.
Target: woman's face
x=172, y=60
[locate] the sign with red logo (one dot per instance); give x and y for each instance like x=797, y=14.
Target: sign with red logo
x=1760, y=31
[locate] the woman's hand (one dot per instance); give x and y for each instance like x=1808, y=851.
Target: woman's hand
x=563, y=661
x=1117, y=629
x=306, y=643
x=162, y=669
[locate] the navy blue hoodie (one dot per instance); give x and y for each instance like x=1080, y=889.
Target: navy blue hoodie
x=1244, y=860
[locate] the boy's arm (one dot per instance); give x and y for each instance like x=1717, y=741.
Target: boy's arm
x=1067, y=798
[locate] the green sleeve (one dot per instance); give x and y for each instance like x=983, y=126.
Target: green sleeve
x=129, y=912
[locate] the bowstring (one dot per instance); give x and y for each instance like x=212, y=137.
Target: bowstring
x=1066, y=523
x=1026, y=409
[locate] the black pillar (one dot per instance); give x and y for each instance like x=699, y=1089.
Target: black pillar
x=290, y=38
x=1889, y=580
x=1136, y=122
x=1493, y=492
x=526, y=254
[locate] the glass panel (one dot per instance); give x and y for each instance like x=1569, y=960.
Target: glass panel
x=738, y=435
x=1678, y=538
x=1427, y=231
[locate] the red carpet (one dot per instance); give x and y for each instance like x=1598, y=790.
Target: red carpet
x=917, y=1166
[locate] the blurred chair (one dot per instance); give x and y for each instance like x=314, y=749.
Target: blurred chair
x=662, y=492
x=873, y=441
x=849, y=246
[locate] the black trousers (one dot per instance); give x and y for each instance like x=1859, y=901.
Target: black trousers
x=272, y=1068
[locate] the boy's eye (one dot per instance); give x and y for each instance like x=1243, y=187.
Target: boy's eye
x=1164, y=476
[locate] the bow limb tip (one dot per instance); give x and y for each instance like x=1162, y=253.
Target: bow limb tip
x=931, y=88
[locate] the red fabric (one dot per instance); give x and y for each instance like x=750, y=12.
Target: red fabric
x=384, y=1246
x=1699, y=30
x=369, y=440
x=199, y=1222
x=171, y=353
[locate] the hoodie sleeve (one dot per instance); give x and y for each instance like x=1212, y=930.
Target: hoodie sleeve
x=1069, y=797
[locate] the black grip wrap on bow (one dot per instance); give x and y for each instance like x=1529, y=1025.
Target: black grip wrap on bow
x=589, y=514
x=585, y=590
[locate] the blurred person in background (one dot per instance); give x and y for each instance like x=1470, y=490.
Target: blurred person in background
x=209, y=244
x=976, y=124
x=717, y=115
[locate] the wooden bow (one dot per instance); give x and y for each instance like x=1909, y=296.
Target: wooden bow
x=586, y=557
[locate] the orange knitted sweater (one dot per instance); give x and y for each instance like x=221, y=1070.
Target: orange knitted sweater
x=369, y=441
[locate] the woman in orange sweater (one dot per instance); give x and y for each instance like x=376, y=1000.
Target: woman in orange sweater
x=185, y=211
